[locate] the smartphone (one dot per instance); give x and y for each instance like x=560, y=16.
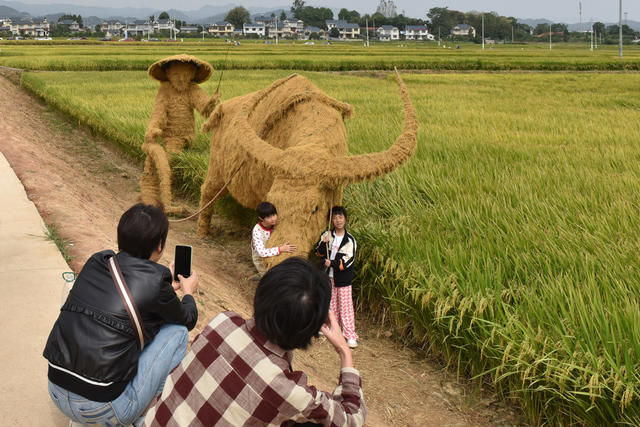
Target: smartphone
x=182, y=261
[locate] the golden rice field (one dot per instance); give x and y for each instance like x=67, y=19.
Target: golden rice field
x=111, y=56
x=509, y=243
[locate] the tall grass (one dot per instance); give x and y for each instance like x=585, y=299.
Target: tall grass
x=321, y=57
x=509, y=242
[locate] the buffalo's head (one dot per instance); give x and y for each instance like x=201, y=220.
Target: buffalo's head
x=306, y=183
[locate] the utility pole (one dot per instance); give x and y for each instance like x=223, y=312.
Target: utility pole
x=276, y=30
x=512, y=35
x=591, y=49
x=438, y=35
x=367, y=24
x=580, y=7
x=483, y=31
x=620, y=33
x=550, y=32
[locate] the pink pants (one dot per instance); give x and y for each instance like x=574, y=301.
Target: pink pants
x=342, y=306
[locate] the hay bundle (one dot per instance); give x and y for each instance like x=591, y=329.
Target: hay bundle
x=173, y=121
x=293, y=141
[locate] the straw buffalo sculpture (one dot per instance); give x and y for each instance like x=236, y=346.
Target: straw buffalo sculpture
x=287, y=144
x=173, y=122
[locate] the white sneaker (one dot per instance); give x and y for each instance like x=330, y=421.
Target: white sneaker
x=352, y=343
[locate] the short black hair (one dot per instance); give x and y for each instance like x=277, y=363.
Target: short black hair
x=339, y=210
x=292, y=303
x=266, y=209
x=141, y=229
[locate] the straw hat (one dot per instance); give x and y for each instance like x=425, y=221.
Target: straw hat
x=157, y=70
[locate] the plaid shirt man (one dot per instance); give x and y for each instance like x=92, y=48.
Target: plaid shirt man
x=234, y=376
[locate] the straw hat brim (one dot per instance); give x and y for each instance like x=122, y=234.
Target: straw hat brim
x=157, y=70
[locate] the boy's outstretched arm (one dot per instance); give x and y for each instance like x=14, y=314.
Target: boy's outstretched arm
x=258, y=245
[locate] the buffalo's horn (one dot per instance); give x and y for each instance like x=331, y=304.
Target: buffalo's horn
x=368, y=166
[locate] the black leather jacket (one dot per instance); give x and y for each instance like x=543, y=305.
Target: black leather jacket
x=93, y=349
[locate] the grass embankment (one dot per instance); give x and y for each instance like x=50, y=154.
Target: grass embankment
x=509, y=242
x=111, y=56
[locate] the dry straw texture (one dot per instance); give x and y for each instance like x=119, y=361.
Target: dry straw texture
x=292, y=139
x=172, y=120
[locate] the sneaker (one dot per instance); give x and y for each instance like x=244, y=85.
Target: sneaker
x=352, y=343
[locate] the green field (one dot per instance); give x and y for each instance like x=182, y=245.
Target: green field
x=109, y=56
x=509, y=243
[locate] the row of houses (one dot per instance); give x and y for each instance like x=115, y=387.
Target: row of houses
x=25, y=27
x=270, y=27
x=346, y=30
x=263, y=27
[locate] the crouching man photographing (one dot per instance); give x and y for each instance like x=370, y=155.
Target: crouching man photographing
x=238, y=372
x=122, y=328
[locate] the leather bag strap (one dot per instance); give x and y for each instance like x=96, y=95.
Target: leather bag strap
x=127, y=299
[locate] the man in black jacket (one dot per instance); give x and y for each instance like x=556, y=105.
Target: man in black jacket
x=97, y=371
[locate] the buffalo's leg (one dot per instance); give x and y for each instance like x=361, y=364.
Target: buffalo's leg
x=209, y=189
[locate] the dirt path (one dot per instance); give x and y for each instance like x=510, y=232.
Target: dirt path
x=82, y=185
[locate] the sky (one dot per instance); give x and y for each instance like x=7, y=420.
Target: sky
x=555, y=10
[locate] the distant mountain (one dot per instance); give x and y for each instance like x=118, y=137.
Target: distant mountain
x=577, y=27
x=9, y=12
x=587, y=25
x=254, y=12
x=534, y=22
x=205, y=14
x=53, y=8
x=208, y=14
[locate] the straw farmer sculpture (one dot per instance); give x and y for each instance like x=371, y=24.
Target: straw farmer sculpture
x=288, y=144
x=172, y=120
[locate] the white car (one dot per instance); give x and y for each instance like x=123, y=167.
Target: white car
x=44, y=38
x=309, y=43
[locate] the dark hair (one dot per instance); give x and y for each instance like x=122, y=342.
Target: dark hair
x=339, y=210
x=141, y=229
x=266, y=209
x=292, y=303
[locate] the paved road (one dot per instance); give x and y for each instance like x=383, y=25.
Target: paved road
x=31, y=267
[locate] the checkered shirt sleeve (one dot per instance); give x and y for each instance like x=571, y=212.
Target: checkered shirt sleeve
x=232, y=376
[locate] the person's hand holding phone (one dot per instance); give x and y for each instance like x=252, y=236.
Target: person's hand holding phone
x=190, y=282
x=189, y=285
x=174, y=283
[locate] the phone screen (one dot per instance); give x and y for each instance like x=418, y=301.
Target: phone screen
x=182, y=261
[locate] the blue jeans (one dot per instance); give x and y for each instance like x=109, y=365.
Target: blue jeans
x=156, y=361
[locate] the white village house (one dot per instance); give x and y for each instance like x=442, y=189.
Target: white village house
x=73, y=25
x=347, y=30
x=221, y=29
x=463, y=30
x=417, y=32
x=27, y=27
x=308, y=31
x=388, y=33
x=111, y=28
x=258, y=29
